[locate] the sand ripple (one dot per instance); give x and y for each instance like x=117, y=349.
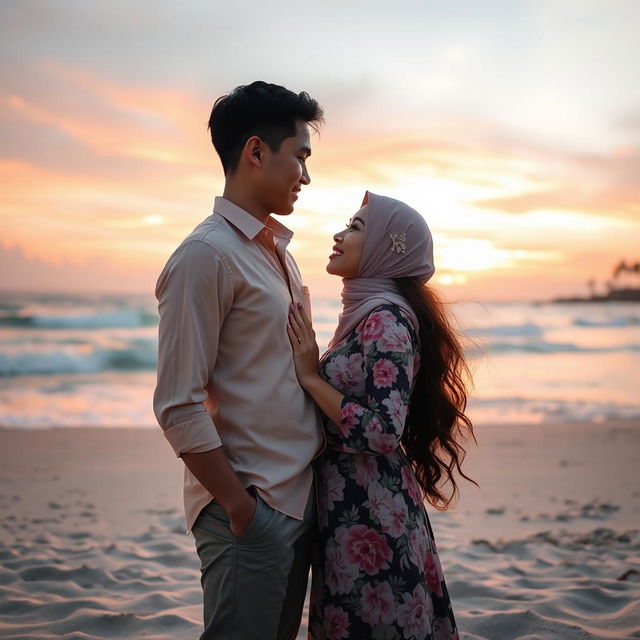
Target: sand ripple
x=574, y=586
x=582, y=586
x=79, y=585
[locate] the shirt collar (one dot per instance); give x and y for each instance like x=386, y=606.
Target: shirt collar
x=246, y=223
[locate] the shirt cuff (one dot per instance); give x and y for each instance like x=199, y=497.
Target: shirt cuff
x=195, y=435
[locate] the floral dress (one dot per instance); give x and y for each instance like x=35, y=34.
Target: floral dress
x=376, y=572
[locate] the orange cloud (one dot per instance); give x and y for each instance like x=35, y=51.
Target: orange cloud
x=595, y=184
x=116, y=120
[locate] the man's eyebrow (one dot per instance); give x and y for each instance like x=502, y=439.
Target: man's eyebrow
x=306, y=150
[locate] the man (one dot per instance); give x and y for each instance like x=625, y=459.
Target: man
x=227, y=397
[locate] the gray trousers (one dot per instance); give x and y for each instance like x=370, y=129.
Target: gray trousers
x=254, y=585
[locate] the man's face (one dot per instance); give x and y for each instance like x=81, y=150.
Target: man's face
x=285, y=171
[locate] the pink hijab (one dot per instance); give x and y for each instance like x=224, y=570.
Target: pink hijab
x=397, y=244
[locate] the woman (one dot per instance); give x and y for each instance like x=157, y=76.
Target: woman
x=392, y=391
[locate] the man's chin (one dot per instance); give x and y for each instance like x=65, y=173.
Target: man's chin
x=283, y=211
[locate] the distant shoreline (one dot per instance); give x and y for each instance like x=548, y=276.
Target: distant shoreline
x=616, y=295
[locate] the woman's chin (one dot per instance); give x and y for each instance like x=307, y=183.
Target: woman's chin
x=330, y=270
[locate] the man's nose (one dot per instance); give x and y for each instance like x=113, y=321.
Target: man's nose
x=305, y=178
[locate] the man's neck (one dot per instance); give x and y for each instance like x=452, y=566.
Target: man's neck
x=243, y=200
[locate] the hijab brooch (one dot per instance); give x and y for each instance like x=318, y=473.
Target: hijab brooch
x=398, y=241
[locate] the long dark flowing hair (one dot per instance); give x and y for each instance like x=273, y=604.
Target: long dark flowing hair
x=436, y=421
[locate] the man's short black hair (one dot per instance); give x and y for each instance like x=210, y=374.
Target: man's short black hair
x=268, y=111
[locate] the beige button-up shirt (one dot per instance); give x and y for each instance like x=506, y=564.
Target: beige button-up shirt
x=226, y=376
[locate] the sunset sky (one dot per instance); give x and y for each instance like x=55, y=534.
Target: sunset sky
x=512, y=126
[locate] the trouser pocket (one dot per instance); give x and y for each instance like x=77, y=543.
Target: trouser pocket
x=213, y=519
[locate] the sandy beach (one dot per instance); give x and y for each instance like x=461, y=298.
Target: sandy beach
x=92, y=543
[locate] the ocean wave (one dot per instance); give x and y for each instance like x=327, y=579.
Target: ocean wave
x=507, y=331
x=81, y=356
x=612, y=323
x=555, y=347
x=137, y=354
x=535, y=347
x=521, y=410
x=123, y=319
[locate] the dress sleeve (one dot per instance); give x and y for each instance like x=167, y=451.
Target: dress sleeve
x=375, y=424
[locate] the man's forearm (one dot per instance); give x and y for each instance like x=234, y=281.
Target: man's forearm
x=213, y=471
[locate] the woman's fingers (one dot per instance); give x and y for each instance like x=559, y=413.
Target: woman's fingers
x=302, y=320
x=293, y=338
x=295, y=322
x=299, y=322
x=301, y=334
x=301, y=314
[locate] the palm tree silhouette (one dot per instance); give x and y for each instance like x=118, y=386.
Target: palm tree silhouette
x=622, y=267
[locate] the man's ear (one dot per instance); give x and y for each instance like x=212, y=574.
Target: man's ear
x=253, y=151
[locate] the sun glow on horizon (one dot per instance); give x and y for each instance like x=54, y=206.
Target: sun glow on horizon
x=483, y=255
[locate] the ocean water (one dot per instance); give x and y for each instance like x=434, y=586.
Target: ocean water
x=90, y=360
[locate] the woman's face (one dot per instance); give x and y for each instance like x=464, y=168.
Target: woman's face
x=347, y=250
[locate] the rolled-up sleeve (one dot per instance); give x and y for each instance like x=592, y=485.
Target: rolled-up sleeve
x=195, y=293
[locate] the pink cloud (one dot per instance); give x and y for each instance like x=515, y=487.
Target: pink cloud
x=18, y=272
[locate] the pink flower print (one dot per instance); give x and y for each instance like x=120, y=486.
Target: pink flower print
x=396, y=408
x=377, y=604
x=373, y=426
x=334, y=370
x=336, y=622
x=419, y=545
x=379, y=499
x=350, y=417
x=374, y=326
x=365, y=547
x=345, y=373
x=395, y=337
x=354, y=368
x=333, y=485
x=387, y=318
x=393, y=516
x=444, y=630
x=339, y=573
x=377, y=440
x=433, y=573
x=366, y=470
x=415, y=614
x=385, y=373
x=410, y=484
x=382, y=442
